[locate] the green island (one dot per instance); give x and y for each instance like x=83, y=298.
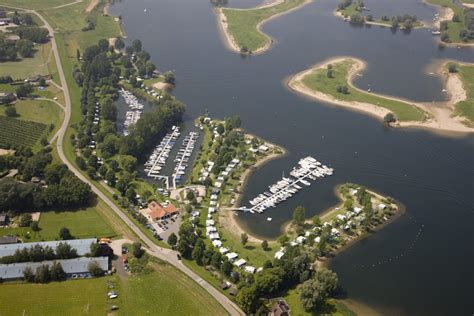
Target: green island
x=241, y=27
x=331, y=82
x=354, y=12
x=457, y=24
x=465, y=108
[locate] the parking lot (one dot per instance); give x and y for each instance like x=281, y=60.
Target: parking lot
x=164, y=228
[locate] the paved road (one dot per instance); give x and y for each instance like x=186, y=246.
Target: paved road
x=164, y=254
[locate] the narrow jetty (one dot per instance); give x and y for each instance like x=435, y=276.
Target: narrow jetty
x=308, y=168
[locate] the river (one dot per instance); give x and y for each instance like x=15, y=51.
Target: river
x=422, y=264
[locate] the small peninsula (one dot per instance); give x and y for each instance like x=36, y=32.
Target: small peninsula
x=355, y=12
x=456, y=22
x=241, y=27
x=331, y=82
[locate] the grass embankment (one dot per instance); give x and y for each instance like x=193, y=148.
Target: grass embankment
x=243, y=25
x=453, y=27
x=83, y=223
x=466, y=108
x=317, y=80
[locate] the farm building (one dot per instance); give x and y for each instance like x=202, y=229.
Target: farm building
x=81, y=245
x=70, y=266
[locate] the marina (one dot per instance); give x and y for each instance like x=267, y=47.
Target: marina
x=308, y=168
x=134, y=112
x=183, y=157
x=160, y=154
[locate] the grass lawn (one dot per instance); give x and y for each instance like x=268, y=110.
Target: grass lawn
x=242, y=24
x=318, y=80
x=165, y=291
x=466, y=108
x=333, y=307
x=24, y=68
x=72, y=297
x=82, y=223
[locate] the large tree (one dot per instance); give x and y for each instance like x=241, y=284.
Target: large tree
x=314, y=292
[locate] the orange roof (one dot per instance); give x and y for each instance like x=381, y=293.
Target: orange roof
x=157, y=211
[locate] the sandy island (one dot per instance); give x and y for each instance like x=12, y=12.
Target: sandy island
x=441, y=120
x=228, y=218
x=229, y=40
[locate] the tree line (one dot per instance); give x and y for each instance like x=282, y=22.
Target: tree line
x=38, y=253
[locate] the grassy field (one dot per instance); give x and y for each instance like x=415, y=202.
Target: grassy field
x=73, y=297
x=82, y=223
x=35, y=4
x=466, y=108
x=165, y=291
x=242, y=24
x=24, y=68
x=318, y=80
x=453, y=27
x=333, y=307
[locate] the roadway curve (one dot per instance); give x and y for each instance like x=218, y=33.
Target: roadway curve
x=167, y=255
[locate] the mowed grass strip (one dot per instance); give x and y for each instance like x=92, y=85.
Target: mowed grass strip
x=166, y=291
x=242, y=24
x=72, y=297
x=17, y=132
x=318, y=80
x=466, y=108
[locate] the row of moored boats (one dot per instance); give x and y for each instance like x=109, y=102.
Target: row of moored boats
x=134, y=112
x=184, y=155
x=160, y=154
x=308, y=169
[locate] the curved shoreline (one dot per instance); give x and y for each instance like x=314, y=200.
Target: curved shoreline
x=230, y=218
x=229, y=40
x=441, y=112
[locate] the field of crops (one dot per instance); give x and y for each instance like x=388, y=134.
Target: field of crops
x=17, y=132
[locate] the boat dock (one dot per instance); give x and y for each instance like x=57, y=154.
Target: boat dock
x=135, y=109
x=183, y=156
x=160, y=154
x=308, y=169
